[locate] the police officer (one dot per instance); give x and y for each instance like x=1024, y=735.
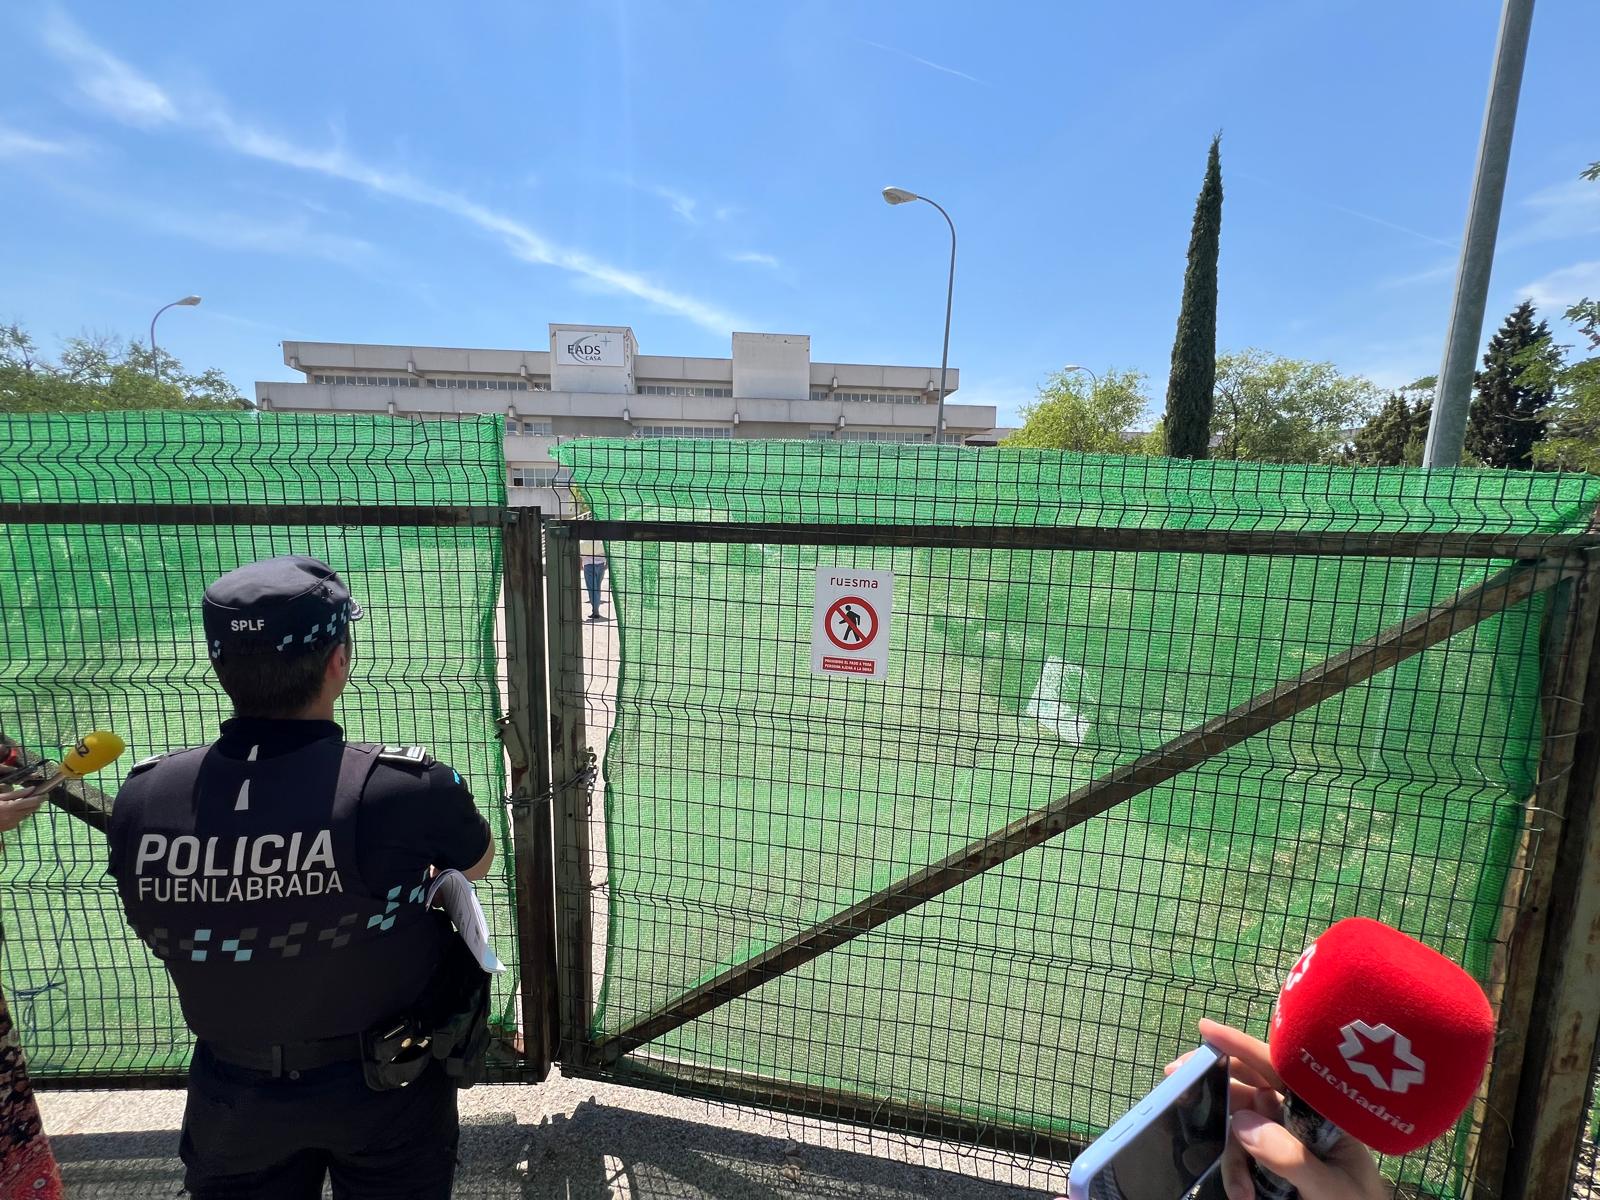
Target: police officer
x=280, y=874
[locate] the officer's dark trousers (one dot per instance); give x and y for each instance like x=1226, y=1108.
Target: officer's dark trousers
x=246, y=1134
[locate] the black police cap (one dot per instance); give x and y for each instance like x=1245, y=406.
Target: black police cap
x=291, y=605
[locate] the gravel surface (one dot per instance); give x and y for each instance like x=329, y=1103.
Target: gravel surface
x=578, y=1140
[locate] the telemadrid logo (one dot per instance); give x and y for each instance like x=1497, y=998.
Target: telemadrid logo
x=1394, y=1069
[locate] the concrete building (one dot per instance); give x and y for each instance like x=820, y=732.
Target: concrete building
x=593, y=382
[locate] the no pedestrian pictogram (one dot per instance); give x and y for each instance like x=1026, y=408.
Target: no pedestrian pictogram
x=850, y=622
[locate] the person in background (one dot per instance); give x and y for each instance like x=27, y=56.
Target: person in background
x=594, y=573
x=27, y=1165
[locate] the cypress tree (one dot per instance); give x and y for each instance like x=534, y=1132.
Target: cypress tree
x=1507, y=418
x=1382, y=440
x=1194, y=349
x=1395, y=435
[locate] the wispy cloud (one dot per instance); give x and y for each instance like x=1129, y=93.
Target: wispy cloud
x=235, y=231
x=929, y=63
x=1565, y=286
x=1371, y=218
x=688, y=208
x=105, y=79
x=16, y=144
x=1570, y=209
x=124, y=94
x=755, y=258
x=681, y=204
x=291, y=234
x=1433, y=274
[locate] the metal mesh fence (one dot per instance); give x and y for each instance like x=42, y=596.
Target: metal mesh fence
x=1586, y=1171
x=749, y=801
x=100, y=621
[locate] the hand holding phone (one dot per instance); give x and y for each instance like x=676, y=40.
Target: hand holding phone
x=1348, y=1173
x=1168, y=1144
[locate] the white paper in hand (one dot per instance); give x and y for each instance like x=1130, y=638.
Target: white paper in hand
x=460, y=903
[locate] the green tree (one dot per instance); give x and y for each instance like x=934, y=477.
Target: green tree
x=1572, y=439
x=98, y=374
x=1274, y=409
x=1194, y=349
x=1514, y=388
x=1071, y=413
x=1398, y=431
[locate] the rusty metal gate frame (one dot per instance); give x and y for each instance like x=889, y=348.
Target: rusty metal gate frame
x=1558, y=869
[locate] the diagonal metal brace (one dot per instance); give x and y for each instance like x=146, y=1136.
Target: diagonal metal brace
x=1501, y=591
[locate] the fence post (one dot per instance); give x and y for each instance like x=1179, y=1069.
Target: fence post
x=524, y=729
x=1547, y=1124
x=1568, y=639
x=573, y=781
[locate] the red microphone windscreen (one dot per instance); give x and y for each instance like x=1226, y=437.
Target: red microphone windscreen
x=1383, y=1036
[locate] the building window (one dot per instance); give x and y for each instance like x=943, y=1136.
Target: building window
x=365, y=380
x=683, y=431
x=819, y=435
x=891, y=435
x=874, y=397
x=531, y=428
x=686, y=389
x=533, y=477
x=483, y=385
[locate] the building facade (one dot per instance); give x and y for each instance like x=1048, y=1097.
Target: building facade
x=592, y=382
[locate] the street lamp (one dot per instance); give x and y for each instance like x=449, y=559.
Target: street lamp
x=894, y=195
x=186, y=302
x=1085, y=370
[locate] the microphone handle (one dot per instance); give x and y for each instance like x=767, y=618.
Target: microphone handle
x=1318, y=1134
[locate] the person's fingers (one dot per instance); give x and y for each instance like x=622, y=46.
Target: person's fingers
x=1356, y=1161
x=1235, y=1171
x=1266, y=1102
x=1176, y=1063
x=1285, y=1155
x=1242, y=1093
x=1249, y=1052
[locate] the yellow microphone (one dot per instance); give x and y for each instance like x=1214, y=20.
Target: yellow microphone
x=94, y=751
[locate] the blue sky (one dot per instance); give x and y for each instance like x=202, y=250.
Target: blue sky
x=463, y=174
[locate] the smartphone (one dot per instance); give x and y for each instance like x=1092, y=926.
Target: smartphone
x=1167, y=1145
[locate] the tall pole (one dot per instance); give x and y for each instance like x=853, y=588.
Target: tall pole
x=1447, y=429
x=1085, y=370
x=155, y=361
x=949, y=299
x=896, y=195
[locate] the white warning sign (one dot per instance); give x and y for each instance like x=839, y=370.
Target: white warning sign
x=850, y=622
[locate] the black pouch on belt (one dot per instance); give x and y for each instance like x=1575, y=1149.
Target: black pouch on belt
x=450, y=1023
x=461, y=1017
x=395, y=1054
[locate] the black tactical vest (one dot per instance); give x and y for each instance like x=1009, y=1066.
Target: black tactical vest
x=243, y=878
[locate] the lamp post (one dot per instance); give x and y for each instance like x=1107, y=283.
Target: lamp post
x=186, y=302
x=1085, y=370
x=894, y=195
x=1452, y=398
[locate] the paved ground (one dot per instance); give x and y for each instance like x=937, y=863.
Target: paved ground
x=575, y=1140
